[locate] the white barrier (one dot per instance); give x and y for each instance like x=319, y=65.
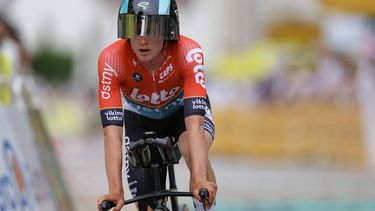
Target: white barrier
x=23, y=184
x=30, y=175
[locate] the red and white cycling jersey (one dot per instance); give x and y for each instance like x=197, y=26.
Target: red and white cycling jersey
x=178, y=82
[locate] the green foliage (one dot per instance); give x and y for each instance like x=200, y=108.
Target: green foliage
x=53, y=65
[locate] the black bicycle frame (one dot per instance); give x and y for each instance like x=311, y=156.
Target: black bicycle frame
x=159, y=192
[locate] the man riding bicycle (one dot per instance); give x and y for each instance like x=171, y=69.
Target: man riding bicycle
x=160, y=75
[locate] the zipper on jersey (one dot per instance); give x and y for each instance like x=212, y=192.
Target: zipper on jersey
x=154, y=85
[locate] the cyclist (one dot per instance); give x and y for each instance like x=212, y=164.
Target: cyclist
x=159, y=74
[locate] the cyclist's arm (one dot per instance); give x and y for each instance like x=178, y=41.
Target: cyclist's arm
x=113, y=158
x=197, y=147
x=109, y=97
x=195, y=108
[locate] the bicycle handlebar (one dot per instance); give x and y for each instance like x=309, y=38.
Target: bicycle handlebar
x=203, y=194
x=107, y=205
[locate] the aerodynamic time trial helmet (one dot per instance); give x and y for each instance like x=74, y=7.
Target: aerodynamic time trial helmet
x=150, y=18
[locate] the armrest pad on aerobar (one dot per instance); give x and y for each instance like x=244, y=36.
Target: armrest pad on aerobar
x=140, y=154
x=169, y=152
x=163, y=142
x=135, y=145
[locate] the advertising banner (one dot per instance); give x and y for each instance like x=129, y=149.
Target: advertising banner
x=23, y=185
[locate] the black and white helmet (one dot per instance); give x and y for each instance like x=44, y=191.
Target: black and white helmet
x=150, y=18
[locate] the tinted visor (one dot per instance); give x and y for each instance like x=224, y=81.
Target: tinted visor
x=153, y=26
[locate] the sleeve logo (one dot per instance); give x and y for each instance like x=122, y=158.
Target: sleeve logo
x=106, y=81
x=196, y=55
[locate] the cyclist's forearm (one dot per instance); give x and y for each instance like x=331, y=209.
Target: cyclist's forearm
x=113, y=159
x=198, y=150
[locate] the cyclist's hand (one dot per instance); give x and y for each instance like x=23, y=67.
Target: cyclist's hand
x=212, y=189
x=117, y=198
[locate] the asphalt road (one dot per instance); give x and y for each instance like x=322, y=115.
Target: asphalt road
x=244, y=184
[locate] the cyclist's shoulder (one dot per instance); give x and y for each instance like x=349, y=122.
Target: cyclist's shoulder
x=186, y=47
x=187, y=43
x=114, y=49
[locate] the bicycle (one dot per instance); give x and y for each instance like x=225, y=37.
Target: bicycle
x=140, y=157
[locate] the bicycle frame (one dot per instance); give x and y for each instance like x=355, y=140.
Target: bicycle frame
x=159, y=192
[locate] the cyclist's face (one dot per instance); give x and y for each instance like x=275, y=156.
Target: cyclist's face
x=146, y=49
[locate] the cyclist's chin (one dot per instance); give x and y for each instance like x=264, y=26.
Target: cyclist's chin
x=146, y=58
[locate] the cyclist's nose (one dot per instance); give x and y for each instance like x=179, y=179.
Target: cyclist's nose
x=143, y=40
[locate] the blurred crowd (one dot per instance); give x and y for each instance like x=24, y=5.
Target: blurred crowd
x=11, y=43
x=312, y=71
x=328, y=76
x=14, y=58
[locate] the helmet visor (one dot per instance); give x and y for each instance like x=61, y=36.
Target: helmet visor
x=152, y=26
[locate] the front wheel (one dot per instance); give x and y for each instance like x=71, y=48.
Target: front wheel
x=183, y=207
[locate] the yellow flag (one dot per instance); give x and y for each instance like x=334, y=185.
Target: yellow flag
x=5, y=75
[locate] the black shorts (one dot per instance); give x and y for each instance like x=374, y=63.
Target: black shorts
x=139, y=179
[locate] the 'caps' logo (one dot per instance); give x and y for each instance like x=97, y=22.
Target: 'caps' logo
x=137, y=77
x=144, y=4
